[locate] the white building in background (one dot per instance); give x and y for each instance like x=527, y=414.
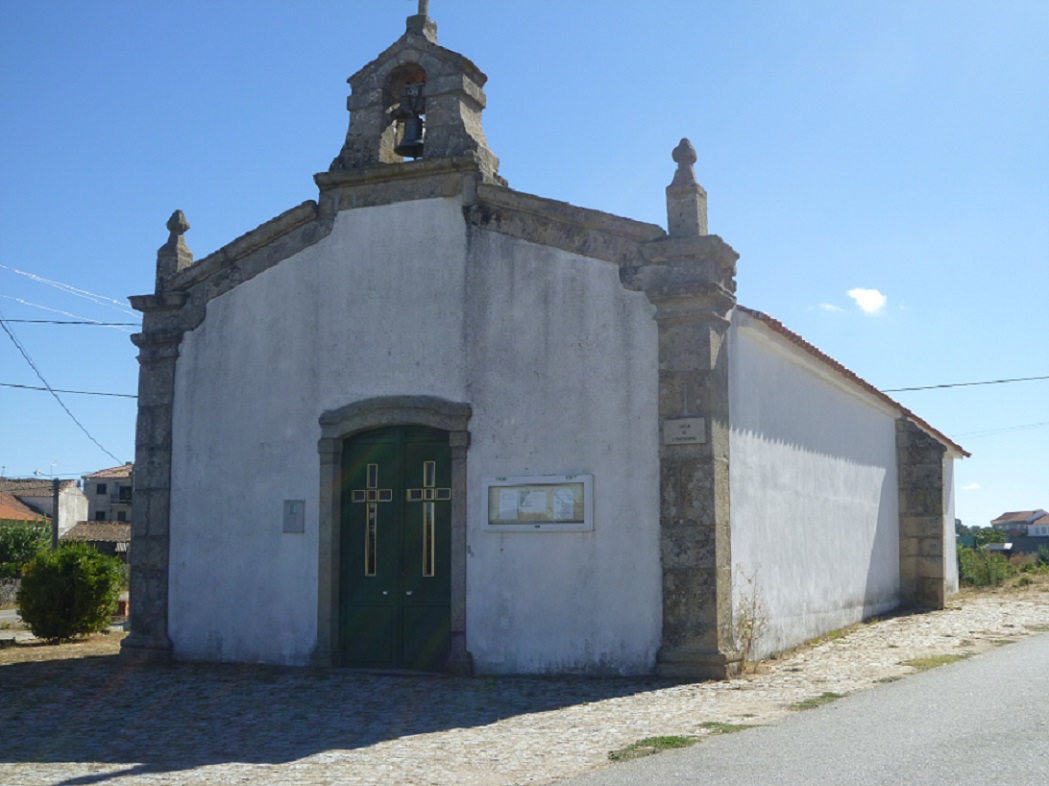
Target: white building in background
x=38, y=495
x=110, y=493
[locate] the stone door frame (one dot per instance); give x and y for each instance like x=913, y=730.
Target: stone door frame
x=342, y=424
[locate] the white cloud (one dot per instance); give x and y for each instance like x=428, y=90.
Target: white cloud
x=871, y=301
x=831, y=308
x=971, y=487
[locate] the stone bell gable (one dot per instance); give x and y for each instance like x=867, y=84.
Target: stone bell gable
x=446, y=90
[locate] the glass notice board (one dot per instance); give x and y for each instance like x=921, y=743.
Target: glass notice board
x=540, y=503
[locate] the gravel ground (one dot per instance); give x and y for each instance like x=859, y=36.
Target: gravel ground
x=75, y=714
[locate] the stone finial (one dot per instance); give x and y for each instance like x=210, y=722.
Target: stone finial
x=685, y=156
x=421, y=24
x=686, y=198
x=174, y=255
x=177, y=225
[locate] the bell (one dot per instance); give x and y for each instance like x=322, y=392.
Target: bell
x=411, y=144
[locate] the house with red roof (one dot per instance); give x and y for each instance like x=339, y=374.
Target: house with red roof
x=37, y=495
x=14, y=511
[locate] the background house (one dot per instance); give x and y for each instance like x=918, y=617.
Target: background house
x=37, y=494
x=1023, y=522
x=109, y=493
x=14, y=511
x=108, y=537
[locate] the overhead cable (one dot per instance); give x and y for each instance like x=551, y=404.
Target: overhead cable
x=102, y=300
x=59, y=390
x=71, y=322
x=29, y=360
x=965, y=384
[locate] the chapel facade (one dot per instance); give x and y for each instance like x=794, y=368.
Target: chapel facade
x=462, y=428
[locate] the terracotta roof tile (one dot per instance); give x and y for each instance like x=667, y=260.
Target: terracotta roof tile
x=1020, y=516
x=99, y=532
x=123, y=471
x=778, y=327
x=13, y=509
x=32, y=487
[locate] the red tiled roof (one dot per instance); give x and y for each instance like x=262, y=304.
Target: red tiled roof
x=13, y=509
x=123, y=471
x=1020, y=517
x=99, y=532
x=32, y=487
x=778, y=327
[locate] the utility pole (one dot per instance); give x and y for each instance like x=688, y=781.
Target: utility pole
x=54, y=514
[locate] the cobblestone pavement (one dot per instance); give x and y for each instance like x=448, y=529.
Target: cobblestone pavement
x=97, y=720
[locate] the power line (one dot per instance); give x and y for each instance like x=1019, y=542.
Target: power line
x=59, y=390
x=1003, y=430
x=29, y=360
x=964, y=384
x=22, y=301
x=101, y=300
x=71, y=322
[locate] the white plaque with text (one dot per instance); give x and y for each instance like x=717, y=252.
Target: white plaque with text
x=684, y=431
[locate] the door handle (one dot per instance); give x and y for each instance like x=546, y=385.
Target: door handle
x=409, y=592
x=385, y=592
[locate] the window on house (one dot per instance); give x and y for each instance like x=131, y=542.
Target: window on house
x=100, y=515
x=121, y=515
x=100, y=488
x=125, y=494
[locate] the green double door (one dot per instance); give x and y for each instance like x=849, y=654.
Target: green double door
x=395, y=605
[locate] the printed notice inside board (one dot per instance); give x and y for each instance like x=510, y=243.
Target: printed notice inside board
x=557, y=502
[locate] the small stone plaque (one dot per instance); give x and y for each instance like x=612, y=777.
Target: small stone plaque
x=684, y=431
x=294, y=516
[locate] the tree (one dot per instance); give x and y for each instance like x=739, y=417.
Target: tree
x=985, y=535
x=70, y=592
x=19, y=544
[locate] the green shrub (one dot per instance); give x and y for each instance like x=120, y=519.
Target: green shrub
x=1043, y=555
x=70, y=592
x=980, y=568
x=19, y=543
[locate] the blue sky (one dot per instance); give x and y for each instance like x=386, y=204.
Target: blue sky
x=897, y=146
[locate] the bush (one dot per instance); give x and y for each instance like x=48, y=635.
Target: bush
x=19, y=543
x=980, y=568
x=70, y=592
x=1043, y=556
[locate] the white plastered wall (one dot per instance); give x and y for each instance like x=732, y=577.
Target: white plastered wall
x=371, y=310
x=813, y=484
x=557, y=361
x=949, y=539
x=564, y=380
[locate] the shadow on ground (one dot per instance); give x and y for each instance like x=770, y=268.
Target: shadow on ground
x=182, y=716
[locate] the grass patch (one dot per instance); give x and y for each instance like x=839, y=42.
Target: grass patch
x=714, y=727
x=1038, y=628
x=886, y=680
x=1002, y=642
x=817, y=701
x=935, y=661
x=649, y=746
x=835, y=635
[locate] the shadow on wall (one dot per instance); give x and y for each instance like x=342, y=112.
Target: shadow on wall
x=178, y=717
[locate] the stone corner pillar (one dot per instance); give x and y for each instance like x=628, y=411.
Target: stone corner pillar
x=689, y=277
x=923, y=506
x=163, y=325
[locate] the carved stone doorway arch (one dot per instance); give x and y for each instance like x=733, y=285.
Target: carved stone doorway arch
x=337, y=426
